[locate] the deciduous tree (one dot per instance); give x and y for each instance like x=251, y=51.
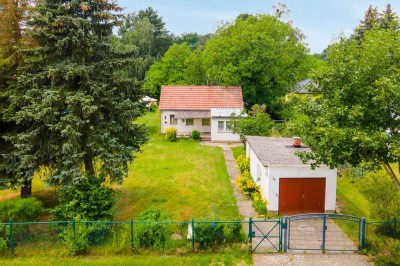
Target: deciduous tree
x=356, y=119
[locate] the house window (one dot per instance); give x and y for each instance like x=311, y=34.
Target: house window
x=173, y=120
x=221, y=125
x=224, y=126
x=228, y=126
x=189, y=121
x=205, y=122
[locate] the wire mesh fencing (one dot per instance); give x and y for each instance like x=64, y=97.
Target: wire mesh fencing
x=102, y=238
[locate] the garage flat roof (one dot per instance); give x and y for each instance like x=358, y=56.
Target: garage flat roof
x=276, y=151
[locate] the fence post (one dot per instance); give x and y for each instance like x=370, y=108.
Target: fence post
x=280, y=234
x=395, y=228
x=193, y=234
x=285, y=237
x=323, y=232
x=362, y=241
x=73, y=226
x=11, y=236
x=131, y=233
x=250, y=234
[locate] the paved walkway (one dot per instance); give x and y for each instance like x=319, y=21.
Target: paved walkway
x=246, y=210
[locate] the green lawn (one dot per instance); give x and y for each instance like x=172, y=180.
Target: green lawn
x=353, y=201
x=230, y=258
x=237, y=151
x=184, y=178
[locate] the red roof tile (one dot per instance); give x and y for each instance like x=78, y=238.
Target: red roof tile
x=200, y=97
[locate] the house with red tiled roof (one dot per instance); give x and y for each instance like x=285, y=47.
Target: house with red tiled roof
x=205, y=108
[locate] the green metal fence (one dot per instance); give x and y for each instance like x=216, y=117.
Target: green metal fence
x=101, y=238
x=61, y=238
x=390, y=229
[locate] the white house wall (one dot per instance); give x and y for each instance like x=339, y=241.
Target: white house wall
x=181, y=126
x=222, y=136
x=258, y=172
x=276, y=172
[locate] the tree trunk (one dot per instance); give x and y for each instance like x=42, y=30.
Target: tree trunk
x=26, y=188
x=392, y=174
x=88, y=160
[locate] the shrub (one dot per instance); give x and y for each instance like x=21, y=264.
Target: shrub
x=21, y=210
x=234, y=232
x=208, y=235
x=243, y=163
x=88, y=199
x=149, y=233
x=195, y=134
x=170, y=134
x=76, y=237
x=259, y=204
x=246, y=184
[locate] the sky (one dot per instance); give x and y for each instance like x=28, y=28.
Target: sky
x=320, y=20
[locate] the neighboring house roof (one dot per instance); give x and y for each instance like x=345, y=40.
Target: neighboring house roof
x=302, y=87
x=275, y=151
x=225, y=112
x=200, y=97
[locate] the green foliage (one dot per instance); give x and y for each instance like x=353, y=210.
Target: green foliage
x=4, y=237
x=144, y=33
x=193, y=39
x=169, y=70
x=208, y=235
x=259, y=204
x=89, y=199
x=243, y=163
x=391, y=259
x=21, y=210
x=384, y=200
x=246, y=184
x=196, y=134
x=262, y=53
x=233, y=232
x=76, y=237
x=171, y=134
x=150, y=233
x=74, y=98
x=355, y=119
x=256, y=123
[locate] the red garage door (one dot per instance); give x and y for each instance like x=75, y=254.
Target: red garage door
x=301, y=195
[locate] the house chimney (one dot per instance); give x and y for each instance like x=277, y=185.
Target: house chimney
x=296, y=142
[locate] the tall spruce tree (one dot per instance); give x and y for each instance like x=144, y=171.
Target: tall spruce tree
x=14, y=15
x=73, y=98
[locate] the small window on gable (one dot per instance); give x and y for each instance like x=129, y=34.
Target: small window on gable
x=173, y=120
x=189, y=121
x=205, y=122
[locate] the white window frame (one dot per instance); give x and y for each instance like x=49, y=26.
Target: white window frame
x=173, y=120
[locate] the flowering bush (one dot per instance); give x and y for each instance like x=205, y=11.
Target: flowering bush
x=247, y=185
x=243, y=163
x=170, y=134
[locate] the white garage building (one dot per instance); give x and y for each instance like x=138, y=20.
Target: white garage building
x=290, y=186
